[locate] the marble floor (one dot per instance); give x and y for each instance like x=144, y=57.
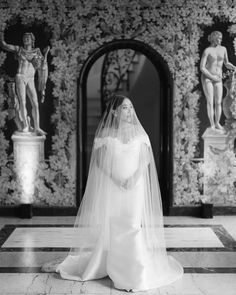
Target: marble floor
x=205, y=247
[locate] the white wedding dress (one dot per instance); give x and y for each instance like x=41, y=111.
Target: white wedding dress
x=121, y=250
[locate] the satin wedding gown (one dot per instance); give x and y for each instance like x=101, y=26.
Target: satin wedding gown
x=121, y=251
x=119, y=226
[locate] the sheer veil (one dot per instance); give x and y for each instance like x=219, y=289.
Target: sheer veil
x=122, y=189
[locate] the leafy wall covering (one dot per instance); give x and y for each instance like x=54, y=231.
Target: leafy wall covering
x=172, y=27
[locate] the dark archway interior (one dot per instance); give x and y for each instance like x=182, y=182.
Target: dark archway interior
x=163, y=152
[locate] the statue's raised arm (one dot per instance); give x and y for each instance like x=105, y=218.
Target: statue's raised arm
x=5, y=46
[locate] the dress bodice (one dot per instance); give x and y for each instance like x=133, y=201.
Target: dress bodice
x=123, y=157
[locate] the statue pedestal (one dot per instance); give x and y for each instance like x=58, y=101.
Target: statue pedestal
x=214, y=139
x=216, y=143
x=28, y=152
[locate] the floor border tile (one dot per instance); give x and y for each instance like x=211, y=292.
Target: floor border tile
x=187, y=270
x=222, y=234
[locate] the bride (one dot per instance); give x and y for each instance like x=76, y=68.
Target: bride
x=119, y=226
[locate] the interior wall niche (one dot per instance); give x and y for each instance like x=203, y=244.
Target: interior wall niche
x=14, y=35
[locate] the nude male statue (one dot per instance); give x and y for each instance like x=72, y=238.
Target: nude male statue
x=30, y=60
x=211, y=65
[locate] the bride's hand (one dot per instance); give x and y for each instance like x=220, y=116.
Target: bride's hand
x=128, y=184
x=119, y=183
x=124, y=184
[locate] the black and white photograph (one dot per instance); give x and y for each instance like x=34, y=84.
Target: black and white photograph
x=117, y=147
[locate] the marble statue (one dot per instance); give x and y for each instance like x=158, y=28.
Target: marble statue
x=30, y=61
x=212, y=61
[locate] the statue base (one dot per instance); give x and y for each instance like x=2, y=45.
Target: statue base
x=214, y=139
x=219, y=160
x=26, y=211
x=28, y=152
x=207, y=210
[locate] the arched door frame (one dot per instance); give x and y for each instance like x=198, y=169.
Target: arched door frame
x=166, y=103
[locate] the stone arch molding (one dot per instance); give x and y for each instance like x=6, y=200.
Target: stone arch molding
x=166, y=105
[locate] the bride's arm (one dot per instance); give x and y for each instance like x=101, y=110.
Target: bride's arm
x=144, y=161
x=100, y=162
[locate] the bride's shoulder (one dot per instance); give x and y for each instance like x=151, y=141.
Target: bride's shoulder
x=100, y=141
x=104, y=138
x=143, y=138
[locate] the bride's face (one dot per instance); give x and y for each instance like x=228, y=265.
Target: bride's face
x=126, y=111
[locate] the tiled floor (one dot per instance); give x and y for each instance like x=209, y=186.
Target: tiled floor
x=205, y=247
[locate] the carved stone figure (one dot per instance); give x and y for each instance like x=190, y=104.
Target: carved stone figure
x=30, y=61
x=211, y=65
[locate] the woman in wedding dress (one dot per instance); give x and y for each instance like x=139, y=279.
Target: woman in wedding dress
x=120, y=222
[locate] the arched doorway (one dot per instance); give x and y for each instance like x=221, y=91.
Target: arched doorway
x=155, y=113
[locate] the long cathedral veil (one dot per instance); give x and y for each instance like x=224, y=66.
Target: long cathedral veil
x=111, y=197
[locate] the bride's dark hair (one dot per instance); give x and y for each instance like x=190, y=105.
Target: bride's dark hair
x=112, y=106
x=115, y=102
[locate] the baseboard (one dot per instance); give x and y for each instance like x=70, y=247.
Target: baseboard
x=72, y=211
x=40, y=211
x=196, y=210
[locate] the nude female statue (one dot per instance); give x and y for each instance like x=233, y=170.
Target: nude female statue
x=30, y=60
x=211, y=65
